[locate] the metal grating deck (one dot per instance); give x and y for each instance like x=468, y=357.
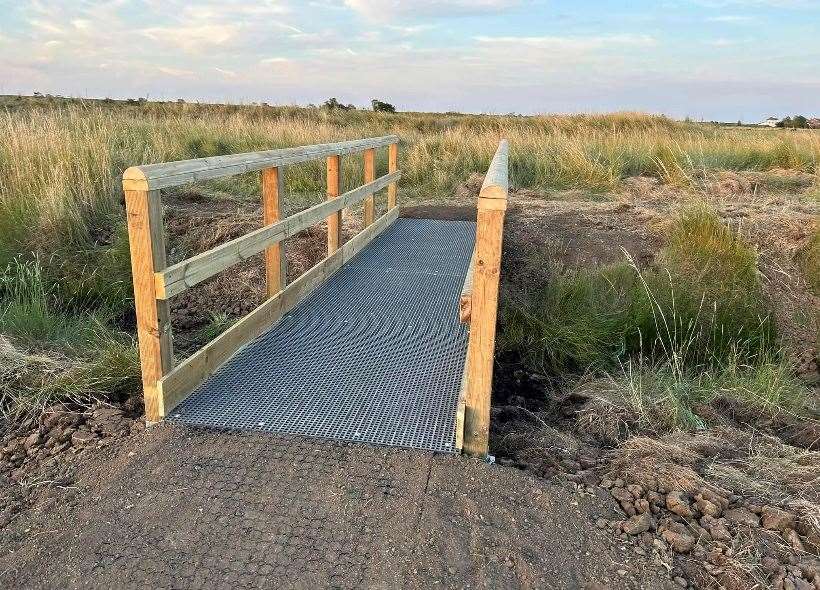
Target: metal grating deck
x=375, y=354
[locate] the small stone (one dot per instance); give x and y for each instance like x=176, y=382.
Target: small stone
x=602, y=523
x=794, y=539
x=635, y=490
x=638, y=524
x=32, y=440
x=680, y=581
x=742, y=516
x=677, y=503
x=707, y=507
x=622, y=572
x=776, y=519
x=642, y=505
x=624, y=499
x=717, y=528
x=82, y=438
x=770, y=565
x=678, y=542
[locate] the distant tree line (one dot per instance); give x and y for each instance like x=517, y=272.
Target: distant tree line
x=379, y=106
x=796, y=122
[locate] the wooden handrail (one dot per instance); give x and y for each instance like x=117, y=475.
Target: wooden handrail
x=165, y=386
x=178, y=277
x=479, y=305
x=154, y=176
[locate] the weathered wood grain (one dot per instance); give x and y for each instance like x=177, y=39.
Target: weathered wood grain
x=392, y=166
x=484, y=303
x=154, y=176
x=147, y=245
x=275, y=261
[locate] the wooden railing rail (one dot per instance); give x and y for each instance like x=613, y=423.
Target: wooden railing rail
x=479, y=307
x=168, y=174
x=164, y=385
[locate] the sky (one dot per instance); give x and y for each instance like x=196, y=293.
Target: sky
x=707, y=59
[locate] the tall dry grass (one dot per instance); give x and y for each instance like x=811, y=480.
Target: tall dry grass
x=61, y=205
x=59, y=166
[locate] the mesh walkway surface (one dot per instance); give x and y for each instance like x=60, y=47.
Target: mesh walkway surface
x=375, y=354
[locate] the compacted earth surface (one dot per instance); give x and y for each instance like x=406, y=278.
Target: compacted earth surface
x=172, y=507
x=90, y=498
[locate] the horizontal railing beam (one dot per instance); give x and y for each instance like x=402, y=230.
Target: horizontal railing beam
x=177, y=278
x=155, y=176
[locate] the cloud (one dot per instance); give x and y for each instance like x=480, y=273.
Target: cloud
x=730, y=18
x=722, y=42
x=388, y=10
x=175, y=72
x=569, y=44
x=193, y=38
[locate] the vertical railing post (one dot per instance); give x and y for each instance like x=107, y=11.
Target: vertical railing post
x=275, y=260
x=369, y=176
x=147, y=245
x=334, y=221
x=492, y=205
x=392, y=166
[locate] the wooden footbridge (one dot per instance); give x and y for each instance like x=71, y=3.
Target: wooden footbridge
x=387, y=340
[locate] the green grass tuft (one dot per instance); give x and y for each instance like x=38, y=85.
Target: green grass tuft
x=701, y=303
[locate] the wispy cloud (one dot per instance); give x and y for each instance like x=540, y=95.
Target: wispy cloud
x=387, y=10
x=730, y=18
x=578, y=43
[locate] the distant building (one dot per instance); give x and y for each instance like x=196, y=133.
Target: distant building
x=770, y=122
x=813, y=123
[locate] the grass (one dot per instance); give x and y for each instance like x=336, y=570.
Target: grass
x=809, y=259
x=49, y=354
x=700, y=303
x=654, y=397
x=30, y=381
x=660, y=346
x=60, y=160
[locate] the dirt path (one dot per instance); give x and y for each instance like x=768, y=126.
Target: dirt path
x=181, y=508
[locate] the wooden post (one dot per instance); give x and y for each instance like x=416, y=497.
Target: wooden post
x=275, y=260
x=392, y=166
x=147, y=244
x=334, y=222
x=369, y=176
x=492, y=205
